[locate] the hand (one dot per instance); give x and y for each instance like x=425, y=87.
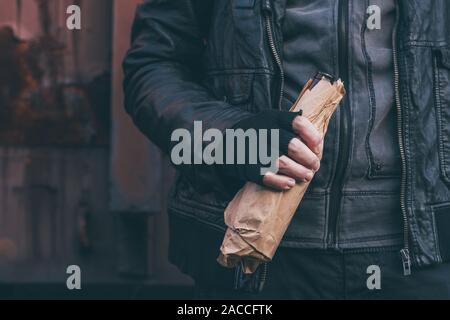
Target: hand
x=302, y=160
x=300, y=145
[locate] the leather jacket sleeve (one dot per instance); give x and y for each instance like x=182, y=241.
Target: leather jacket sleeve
x=163, y=69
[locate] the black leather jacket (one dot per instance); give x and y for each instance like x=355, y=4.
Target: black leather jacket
x=217, y=61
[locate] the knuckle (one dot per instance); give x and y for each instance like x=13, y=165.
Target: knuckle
x=297, y=121
x=282, y=163
x=302, y=173
x=299, y=124
x=293, y=146
x=309, y=176
x=316, y=139
x=314, y=163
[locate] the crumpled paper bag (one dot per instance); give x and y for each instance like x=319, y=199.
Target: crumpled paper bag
x=258, y=217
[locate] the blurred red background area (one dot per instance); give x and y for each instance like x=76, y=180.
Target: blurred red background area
x=54, y=84
x=78, y=183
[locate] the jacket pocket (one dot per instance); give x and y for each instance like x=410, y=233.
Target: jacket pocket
x=441, y=214
x=442, y=96
x=234, y=88
x=381, y=141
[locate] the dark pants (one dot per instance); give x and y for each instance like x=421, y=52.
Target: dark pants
x=304, y=274
x=311, y=274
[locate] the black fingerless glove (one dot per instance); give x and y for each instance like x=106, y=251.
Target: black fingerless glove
x=272, y=119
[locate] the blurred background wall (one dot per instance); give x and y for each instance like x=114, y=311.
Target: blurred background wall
x=78, y=183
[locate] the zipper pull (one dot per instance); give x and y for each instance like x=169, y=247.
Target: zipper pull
x=406, y=259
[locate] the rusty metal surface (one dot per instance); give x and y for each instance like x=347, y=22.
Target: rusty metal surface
x=54, y=83
x=71, y=160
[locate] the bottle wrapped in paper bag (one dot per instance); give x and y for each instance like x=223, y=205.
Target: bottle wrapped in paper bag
x=258, y=217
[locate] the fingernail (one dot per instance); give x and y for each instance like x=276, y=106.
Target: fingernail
x=291, y=183
x=309, y=176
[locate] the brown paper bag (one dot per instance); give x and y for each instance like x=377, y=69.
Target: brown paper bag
x=258, y=217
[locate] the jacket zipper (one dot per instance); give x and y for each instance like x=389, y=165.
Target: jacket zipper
x=263, y=276
x=269, y=28
x=344, y=146
x=336, y=189
x=273, y=48
x=405, y=253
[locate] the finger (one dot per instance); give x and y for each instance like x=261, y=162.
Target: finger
x=292, y=169
x=278, y=182
x=308, y=133
x=320, y=154
x=301, y=154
